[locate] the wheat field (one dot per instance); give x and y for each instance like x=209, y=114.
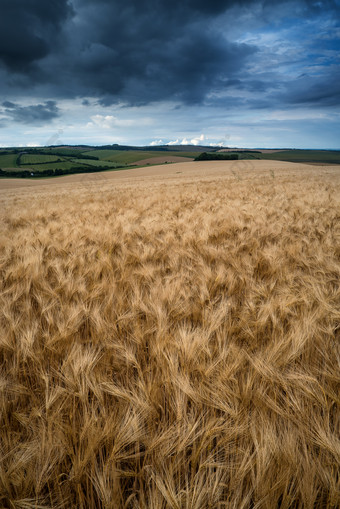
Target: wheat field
x=171, y=339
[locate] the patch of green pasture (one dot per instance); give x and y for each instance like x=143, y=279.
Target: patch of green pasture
x=102, y=154
x=117, y=156
x=64, y=151
x=305, y=156
x=38, y=159
x=182, y=154
x=131, y=156
x=8, y=161
x=89, y=162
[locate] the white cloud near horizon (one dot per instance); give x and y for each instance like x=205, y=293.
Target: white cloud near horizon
x=109, y=122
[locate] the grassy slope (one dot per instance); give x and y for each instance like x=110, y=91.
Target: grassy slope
x=89, y=162
x=67, y=151
x=130, y=156
x=315, y=156
x=8, y=161
x=37, y=159
x=171, y=343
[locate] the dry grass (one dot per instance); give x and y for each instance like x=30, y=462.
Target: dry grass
x=172, y=343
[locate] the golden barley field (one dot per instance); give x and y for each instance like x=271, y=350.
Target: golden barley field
x=169, y=338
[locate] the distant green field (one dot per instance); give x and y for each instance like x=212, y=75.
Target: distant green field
x=8, y=160
x=305, y=156
x=89, y=162
x=181, y=154
x=38, y=159
x=131, y=156
x=102, y=154
x=64, y=151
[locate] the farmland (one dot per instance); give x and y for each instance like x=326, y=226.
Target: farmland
x=131, y=156
x=56, y=161
x=34, y=159
x=52, y=161
x=170, y=338
x=8, y=160
x=293, y=156
x=305, y=156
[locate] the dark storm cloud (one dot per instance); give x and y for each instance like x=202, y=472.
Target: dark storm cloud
x=34, y=114
x=137, y=51
x=308, y=90
x=140, y=51
x=28, y=29
x=8, y=104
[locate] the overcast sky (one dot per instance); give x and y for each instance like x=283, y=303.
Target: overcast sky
x=248, y=74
